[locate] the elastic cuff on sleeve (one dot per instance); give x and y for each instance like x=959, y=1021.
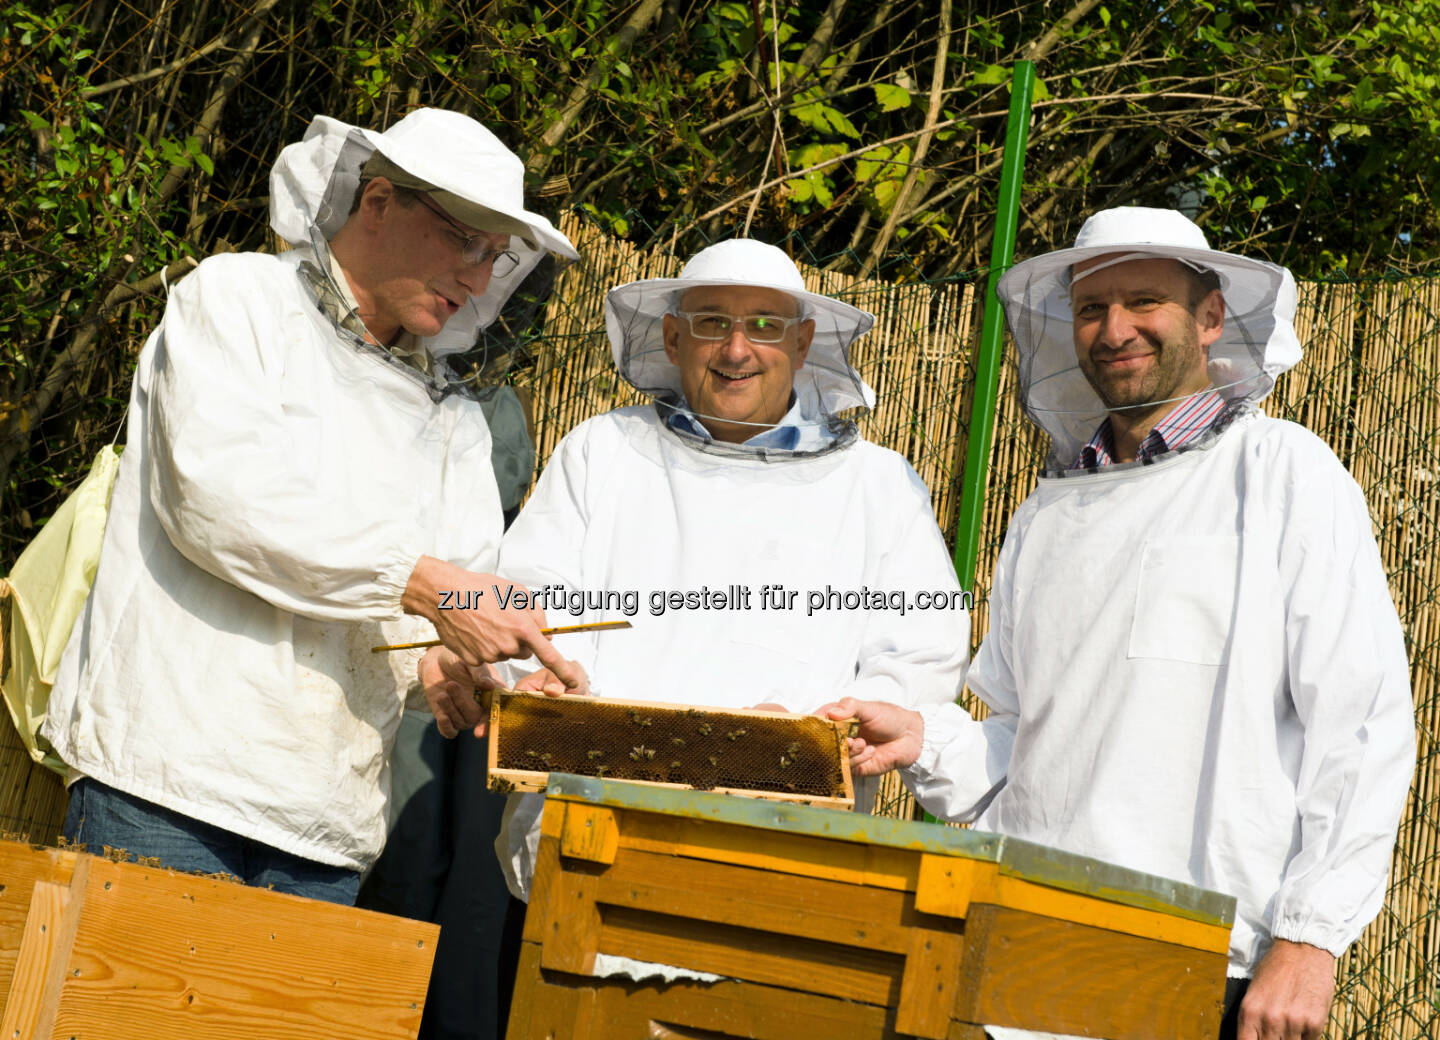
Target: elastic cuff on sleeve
x=394, y=576
x=942, y=723
x=1332, y=938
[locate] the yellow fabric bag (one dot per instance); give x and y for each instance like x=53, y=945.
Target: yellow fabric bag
x=42, y=598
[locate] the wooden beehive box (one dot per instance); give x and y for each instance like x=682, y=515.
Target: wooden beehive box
x=836, y=925
x=762, y=754
x=96, y=950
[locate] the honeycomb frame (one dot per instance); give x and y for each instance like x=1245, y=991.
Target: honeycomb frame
x=743, y=751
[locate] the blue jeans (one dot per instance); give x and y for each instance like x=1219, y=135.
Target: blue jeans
x=101, y=815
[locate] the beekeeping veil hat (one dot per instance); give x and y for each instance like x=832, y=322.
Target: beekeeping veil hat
x=828, y=390
x=1257, y=343
x=462, y=167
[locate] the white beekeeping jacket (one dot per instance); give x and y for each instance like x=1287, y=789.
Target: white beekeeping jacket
x=1194, y=667
x=628, y=505
x=281, y=479
x=278, y=486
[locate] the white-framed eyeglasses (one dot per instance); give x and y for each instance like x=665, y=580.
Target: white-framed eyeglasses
x=757, y=328
x=475, y=249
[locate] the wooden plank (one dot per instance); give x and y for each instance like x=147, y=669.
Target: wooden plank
x=527, y=993
x=1032, y=972
x=930, y=985
x=21, y=866
x=163, y=956
x=1019, y=894
x=529, y=781
x=570, y=929
x=41, y=964
x=540, y=1010
x=1016, y=858
x=945, y=884
x=589, y=833
x=809, y=908
x=899, y=869
x=851, y=862
x=726, y=1010
x=869, y=976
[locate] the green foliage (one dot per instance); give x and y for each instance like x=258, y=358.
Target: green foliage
x=1305, y=133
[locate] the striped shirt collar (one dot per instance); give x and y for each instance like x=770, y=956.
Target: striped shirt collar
x=1189, y=420
x=339, y=305
x=791, y=433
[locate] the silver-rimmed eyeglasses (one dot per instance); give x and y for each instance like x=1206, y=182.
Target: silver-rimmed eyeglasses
x=757, y=328
x=475, y=249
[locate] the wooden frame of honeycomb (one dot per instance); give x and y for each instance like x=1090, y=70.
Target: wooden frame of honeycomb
x=760, y=754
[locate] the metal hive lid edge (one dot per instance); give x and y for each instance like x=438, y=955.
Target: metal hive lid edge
x=835, y=824
x=1028, y=861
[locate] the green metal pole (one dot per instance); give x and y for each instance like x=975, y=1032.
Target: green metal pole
x=987, y=362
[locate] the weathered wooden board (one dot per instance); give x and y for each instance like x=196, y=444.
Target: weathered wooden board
x=149, y=954
x=21, y=866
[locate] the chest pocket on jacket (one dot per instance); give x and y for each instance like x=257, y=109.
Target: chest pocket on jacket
x=1185, y=599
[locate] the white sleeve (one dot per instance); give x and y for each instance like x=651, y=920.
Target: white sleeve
x=917, y=657
x=1349, y=682
x=545, y=545
x=223, y=474
x=963, y=763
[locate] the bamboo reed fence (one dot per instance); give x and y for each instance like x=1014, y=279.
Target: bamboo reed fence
x=1368, y=385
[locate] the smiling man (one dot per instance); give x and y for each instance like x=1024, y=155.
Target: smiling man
x=1193, y=667
x=737, y=375
x=302, y=472
x=743, y=477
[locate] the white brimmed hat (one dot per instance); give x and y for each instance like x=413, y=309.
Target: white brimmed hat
x=313, y=184
x=1258, y=341
x=634, y=313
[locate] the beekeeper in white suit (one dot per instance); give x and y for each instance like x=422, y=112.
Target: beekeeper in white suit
x=302, y=472
x=746, y=472
x=1194, y=667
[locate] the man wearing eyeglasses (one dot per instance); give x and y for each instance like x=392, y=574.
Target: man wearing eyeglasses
x=305, y=477
x=772, y=555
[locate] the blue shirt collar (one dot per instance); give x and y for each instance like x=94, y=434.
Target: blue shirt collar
x=792, y=433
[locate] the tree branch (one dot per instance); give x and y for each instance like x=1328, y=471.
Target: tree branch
x=1047, y=43
x=932, y=113
x=27, y=415
x=615, y=49
x=156, y=73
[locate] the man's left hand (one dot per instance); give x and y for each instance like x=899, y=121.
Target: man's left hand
x=1289, y=996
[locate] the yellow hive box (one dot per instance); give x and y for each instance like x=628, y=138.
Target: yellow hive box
x=848, y=927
